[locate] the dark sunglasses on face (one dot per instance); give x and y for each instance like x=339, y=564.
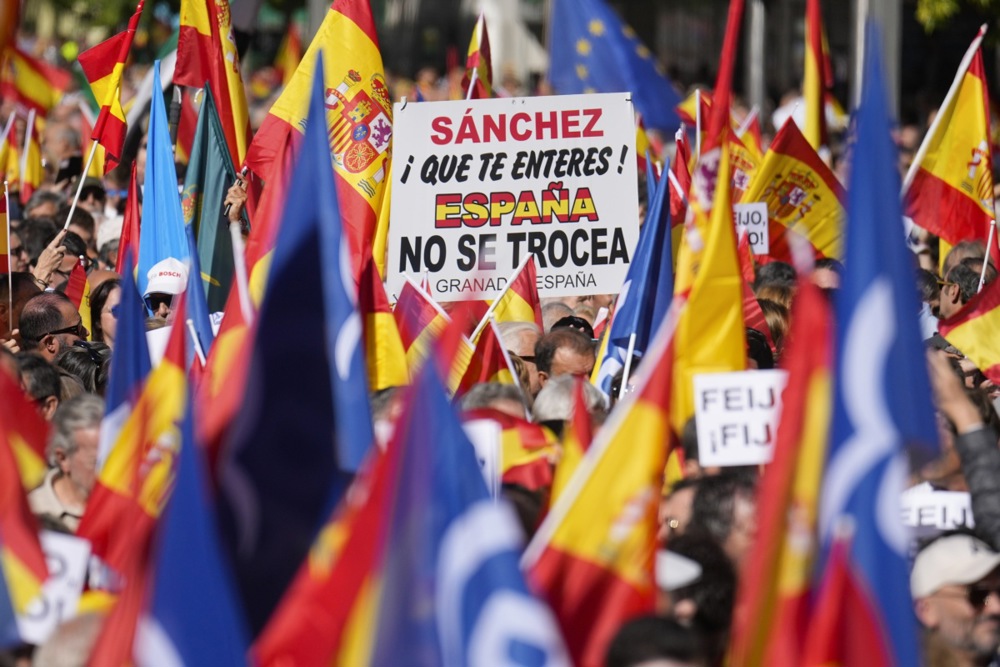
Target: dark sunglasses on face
x=978, y=594
x=77, y=330
x=154, y=301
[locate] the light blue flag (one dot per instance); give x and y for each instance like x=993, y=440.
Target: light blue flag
x=594, y=51
x=882, y=401
x=161, y=235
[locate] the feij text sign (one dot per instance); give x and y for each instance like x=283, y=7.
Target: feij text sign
x=736, y=416
x=479, y=185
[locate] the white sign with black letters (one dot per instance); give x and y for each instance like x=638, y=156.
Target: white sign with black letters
x=66, y=557
x=736, y=415
x=753, y=218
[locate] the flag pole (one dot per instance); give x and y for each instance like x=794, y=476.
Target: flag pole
x=982, y=275
x=493, y=306
x=10, y=274
x=79, y=185
x=196, y=342
x=472, y=83
x=628, y=366
x=697, y=125
x=955, y=85
x=239, y=261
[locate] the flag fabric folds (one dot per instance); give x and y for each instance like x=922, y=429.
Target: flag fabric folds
x=593, y=51
x=881, y=406
x=384, y=351
x=128, y=243
x=206, y=52
x=103, y=66
x=360, y=116
x=519, y=300
x=576, y=440
x=78, y=291
x=774, y=605
x=192, y=617
x=414, y=589
x=592, y=557
x=25, y=432
x=198, y=317
x=949, y=187
x=972, y=330
x=479, y=64
x=817, y=79
x=489, y=362
x=420, y=321
x=289, y=53
x=31, y=83
x=274, y=497
x=209, y=175
x=162, y=227
x=802, y=195
x=30, y=170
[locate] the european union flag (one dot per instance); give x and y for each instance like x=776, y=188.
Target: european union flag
x=131, y=366
x=593, y=51
x=193, y=618
x=882, y=400
x=162, y=228
x=452, y=589
x=305, y=425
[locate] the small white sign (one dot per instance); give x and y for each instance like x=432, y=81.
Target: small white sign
x=753, y=218
x=930, y=511
x=485, y=435
x=66, y=557
x=736, y=415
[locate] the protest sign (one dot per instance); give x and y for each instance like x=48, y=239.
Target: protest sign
x=753, y=217
x=66, y=557
x=929, y=511
x=736, y=415
x=479, y=185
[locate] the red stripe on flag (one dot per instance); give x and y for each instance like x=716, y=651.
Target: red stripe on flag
x=945, y=211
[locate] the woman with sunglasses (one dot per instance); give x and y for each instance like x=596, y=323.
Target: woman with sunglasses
x=104, y=311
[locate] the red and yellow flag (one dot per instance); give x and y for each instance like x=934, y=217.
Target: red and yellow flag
x=577, y=436
x=688, y=109
x=31, y=83
x=10, y=156
x=289, y=53
x=478, y=79
x=817, y=79
x=949, y=188
x=592, y=557
x=384, y=350
x=78, y=291
x=973, y=330
x=773, y=605
x=206, y=53
x=135, y=482
x=519, y=301
x=25, y=431
x=489, y=362
x=130, y=226
x=420, y=321
x=802, y=194
x=526, y=449
x=744, y=164
x=31, y=171
x=103, y=65
x=359, y=115
x=185, y=129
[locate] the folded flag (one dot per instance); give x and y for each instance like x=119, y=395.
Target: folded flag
x=478, y=80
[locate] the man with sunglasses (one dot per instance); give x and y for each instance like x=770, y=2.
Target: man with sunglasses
x=167, y=279
x=955, y=585
x=49, y=323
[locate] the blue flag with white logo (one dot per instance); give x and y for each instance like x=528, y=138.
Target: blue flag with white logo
x=882, y=400
x=452, y=590
x=161, y=234
x=305, y=426
x=593, y=51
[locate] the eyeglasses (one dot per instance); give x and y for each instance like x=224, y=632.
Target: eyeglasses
x=154, y=301
x=77, y=330
x=18, y=251
x=94, y=356
x=979, y=594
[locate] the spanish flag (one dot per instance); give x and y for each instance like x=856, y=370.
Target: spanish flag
x=592, y=557
x=489, y=362
x=519, y=300
x=576, y=439
x=773, y=606
x=206, y=52
x=30, y=166
x=31, y=83
x=23, y=569
x=526, y=449
x=359, y=115
x=135, y=482
x=949, y=188
x=78, y=291
x=688, y=110
x=104, y=65
x=420, y=321
x=478, y=79
x=10, y=160
x=130, y=226
x=289, y=53
x=817, y=79
x=744, y=164
x=24, y=430
x=386, y=358
x=973, y=330
x=802, y=194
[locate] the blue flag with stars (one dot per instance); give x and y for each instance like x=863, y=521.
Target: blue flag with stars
x=593, y=51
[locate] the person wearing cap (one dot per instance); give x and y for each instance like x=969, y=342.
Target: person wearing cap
x=955, y=585
x=167, y=279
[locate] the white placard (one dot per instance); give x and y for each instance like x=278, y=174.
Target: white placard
x=485, y=435
x=66, y=557
x=753, y=217
x=479, y=185
x=736, y=415
x=931, y=511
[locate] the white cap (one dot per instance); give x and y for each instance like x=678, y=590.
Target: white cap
x=675, y=571
x=167, y=277
x=952, y=560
